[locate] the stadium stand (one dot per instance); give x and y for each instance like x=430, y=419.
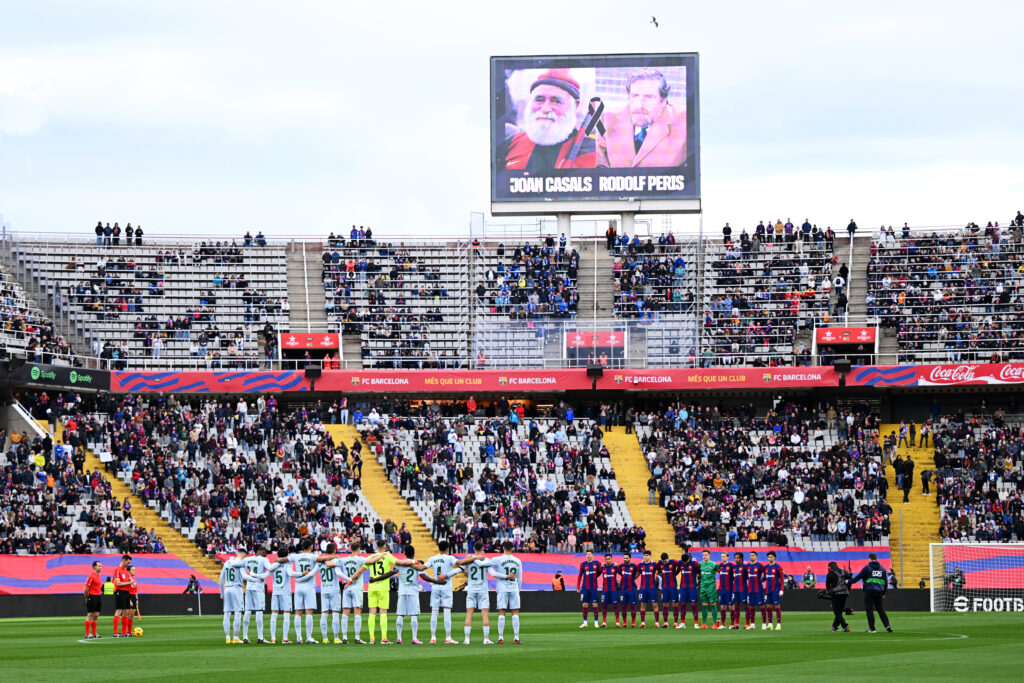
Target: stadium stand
x=798, y=475
x=408, y=303
x=978, y=480
x=544, y=483
x=51, y=504
x=198, y=304
x=25, y=331
x=758, y=294
x=952, y=295
x=223, y=475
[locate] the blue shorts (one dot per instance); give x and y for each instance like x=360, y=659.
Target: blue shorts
x=627, y=597
x=724, y=597
x=739, y=598
x=589, y=596
x=648, y=595
x=688, y=595
x=755, y=599
x=609, y=598
x=670, y=595
x=772, y=598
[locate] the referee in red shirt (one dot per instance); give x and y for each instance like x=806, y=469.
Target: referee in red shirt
x=93, y=598
x=122, y=598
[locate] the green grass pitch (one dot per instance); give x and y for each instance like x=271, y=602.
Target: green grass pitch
x=933, y=646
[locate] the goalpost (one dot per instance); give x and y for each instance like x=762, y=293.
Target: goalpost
x=976, y=577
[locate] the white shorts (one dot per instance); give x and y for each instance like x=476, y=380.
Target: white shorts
x=478, y=600
x=440, y=598
x=305, y=600
x=256, y=599
x=232, y=599
x=330, y=602
x=408, y=605
x=508, y=600
x=281, y=602
x=352, y=599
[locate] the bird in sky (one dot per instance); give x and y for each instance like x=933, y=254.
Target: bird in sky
x=654, y=20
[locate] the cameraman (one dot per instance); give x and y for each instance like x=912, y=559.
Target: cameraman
x=837, y=589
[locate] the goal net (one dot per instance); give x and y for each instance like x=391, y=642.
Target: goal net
x=977, y=577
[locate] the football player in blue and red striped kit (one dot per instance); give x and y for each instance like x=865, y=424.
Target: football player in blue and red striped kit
x=610, y=594
x=629, y=572
x=689, y=577
x=739, y=588
x=774, y=582
x=753, y=575
x=668, y=569
x=648, y=589
x=586, y=585
x=725, y=585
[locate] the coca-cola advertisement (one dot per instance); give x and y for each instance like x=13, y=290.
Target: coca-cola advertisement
x=937, y=375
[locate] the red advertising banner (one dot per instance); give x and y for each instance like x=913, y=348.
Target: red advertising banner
x=593, y=340
x=317, y=340
x=845, y=335
x=520, y=381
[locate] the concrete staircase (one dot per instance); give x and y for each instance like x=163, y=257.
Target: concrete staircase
x=305, y=289
x=386, y=500
x=595, y=269
x=149, y=518
x=632, y=473
x=920, y=516
x=352, y=352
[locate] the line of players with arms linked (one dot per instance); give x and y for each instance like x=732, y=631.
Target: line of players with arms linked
x=243, y=589
x=719, y=588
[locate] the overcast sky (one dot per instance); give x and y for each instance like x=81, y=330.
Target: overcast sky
x=301, y=117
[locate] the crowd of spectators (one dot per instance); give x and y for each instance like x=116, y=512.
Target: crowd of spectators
x=761, y=292
x=530, y=281
x=797, y=474
x=226, y=474
x=951, y=296
x=651, y=279
x=544, y=484
x=27, y=333
x=978, y=477
x=51, y=504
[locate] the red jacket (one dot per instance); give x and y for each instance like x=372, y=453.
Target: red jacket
x=520, y=148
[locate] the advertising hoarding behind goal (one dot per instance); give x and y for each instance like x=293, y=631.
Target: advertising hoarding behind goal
x=595, y=134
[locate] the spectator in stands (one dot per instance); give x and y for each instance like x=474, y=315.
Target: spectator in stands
x=261, y=241
x=99, y=234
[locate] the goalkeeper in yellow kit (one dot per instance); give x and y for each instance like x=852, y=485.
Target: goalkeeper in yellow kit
x=382, y=567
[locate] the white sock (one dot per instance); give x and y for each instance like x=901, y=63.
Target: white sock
x=358, y=627
x=298, y=627
x=259, y=625
x=501, y=626
x=399, y=624
x=237, y=624
x=287, y=619
x=515, y=625
x=415, y=627
x=344, y=626
x=273, y=625
x=467, y=629
x=309, y=627
x=487, y=632
x=245, y=624
x=323, y=625
x=335, y=622
x=433, y=623
x=448, y=624
x=227, y=624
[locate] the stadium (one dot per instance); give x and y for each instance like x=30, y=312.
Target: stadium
x=520, y=447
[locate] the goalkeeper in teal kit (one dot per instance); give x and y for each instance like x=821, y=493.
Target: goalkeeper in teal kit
x=708, y=590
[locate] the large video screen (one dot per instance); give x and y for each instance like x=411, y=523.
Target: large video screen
x=594, y=127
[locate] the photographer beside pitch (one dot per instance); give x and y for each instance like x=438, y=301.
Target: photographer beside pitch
x=874, y=577
x=838, y=590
